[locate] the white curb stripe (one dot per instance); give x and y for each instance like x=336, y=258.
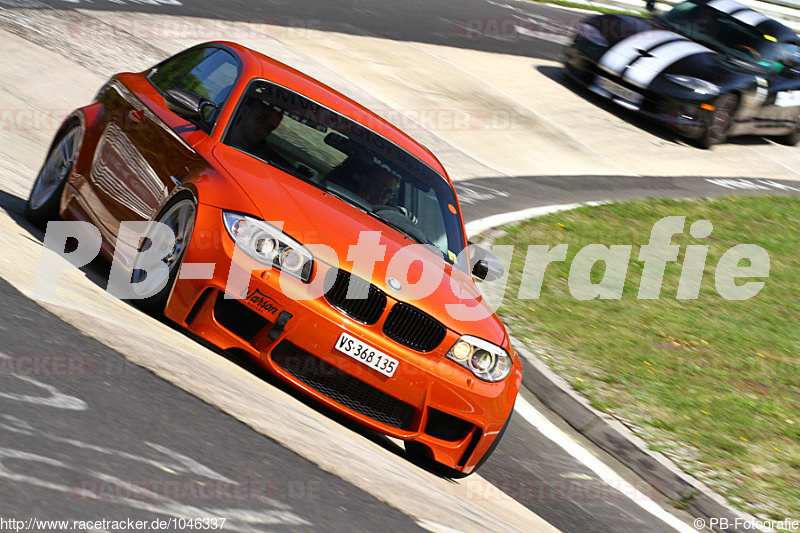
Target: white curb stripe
x=606, y=473
x=482, y=224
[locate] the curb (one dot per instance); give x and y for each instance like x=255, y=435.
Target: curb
x=618, y=441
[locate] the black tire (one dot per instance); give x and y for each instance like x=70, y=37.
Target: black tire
x=418, y=453
x=492, y=448
x=48, y=187
x=148, y=293
x=719, y=121
x=793, y=137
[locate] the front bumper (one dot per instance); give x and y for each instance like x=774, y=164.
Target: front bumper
x=680, y=112
x=429, y=399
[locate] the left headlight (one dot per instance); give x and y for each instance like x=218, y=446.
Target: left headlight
x=695, y=84
x=484, y=359
x=268, y=245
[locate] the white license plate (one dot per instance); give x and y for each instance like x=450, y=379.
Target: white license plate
x=366, y=354
x=618, y=90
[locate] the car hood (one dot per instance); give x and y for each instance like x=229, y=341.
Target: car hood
x=314, y=217
x=641, y=51
x=642, y=57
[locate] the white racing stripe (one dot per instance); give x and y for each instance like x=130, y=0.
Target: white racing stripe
x=625, y=58
x=619, y=56
x=644, y=70
x=745, y=14
x=753, y=18
x=726, y=6
x=572, y=447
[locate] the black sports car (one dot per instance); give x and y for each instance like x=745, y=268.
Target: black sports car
x=710, y=69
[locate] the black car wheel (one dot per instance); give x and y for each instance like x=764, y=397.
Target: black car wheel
x=45, y=196
x=719, y=121
x=150, y=290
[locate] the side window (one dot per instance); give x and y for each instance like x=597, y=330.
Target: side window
x=168, y=74
x=791, y=55
x=208, y=72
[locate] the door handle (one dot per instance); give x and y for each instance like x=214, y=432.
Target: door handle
x=136, y=116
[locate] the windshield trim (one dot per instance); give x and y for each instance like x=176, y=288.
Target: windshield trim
x=444, y=181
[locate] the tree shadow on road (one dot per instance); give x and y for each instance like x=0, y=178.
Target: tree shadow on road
x=97, y=271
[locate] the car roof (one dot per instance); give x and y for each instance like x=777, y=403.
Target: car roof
x=763, y=23
x=258, y=65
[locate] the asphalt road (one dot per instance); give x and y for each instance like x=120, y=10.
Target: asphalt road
x=85, y=435
x=506, y=26
x=490, y=197
x=93, y=444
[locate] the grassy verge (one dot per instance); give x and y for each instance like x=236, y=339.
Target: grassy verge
x=712, y=383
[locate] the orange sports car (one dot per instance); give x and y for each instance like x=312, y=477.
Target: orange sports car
x=304, y=231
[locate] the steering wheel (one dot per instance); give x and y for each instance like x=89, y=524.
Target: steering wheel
x=752, y=51
x=397, y=209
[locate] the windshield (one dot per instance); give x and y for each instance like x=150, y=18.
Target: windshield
x=350, y=161
x=723, y=33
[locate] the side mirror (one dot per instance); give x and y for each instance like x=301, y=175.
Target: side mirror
x=189, y=105
x=485, y=265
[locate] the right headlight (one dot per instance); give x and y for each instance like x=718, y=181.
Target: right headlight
x=484, y=359
x=696, y=84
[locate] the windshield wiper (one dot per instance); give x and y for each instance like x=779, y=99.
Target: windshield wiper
x=420, y=238
x=282, y=166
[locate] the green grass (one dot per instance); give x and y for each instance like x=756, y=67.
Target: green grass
x=712, y=383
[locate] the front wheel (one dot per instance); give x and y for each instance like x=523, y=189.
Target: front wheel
x=151, y=283
x=719, y=121
x=45, y=196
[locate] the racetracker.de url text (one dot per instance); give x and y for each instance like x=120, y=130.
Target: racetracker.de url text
x=128, y=524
